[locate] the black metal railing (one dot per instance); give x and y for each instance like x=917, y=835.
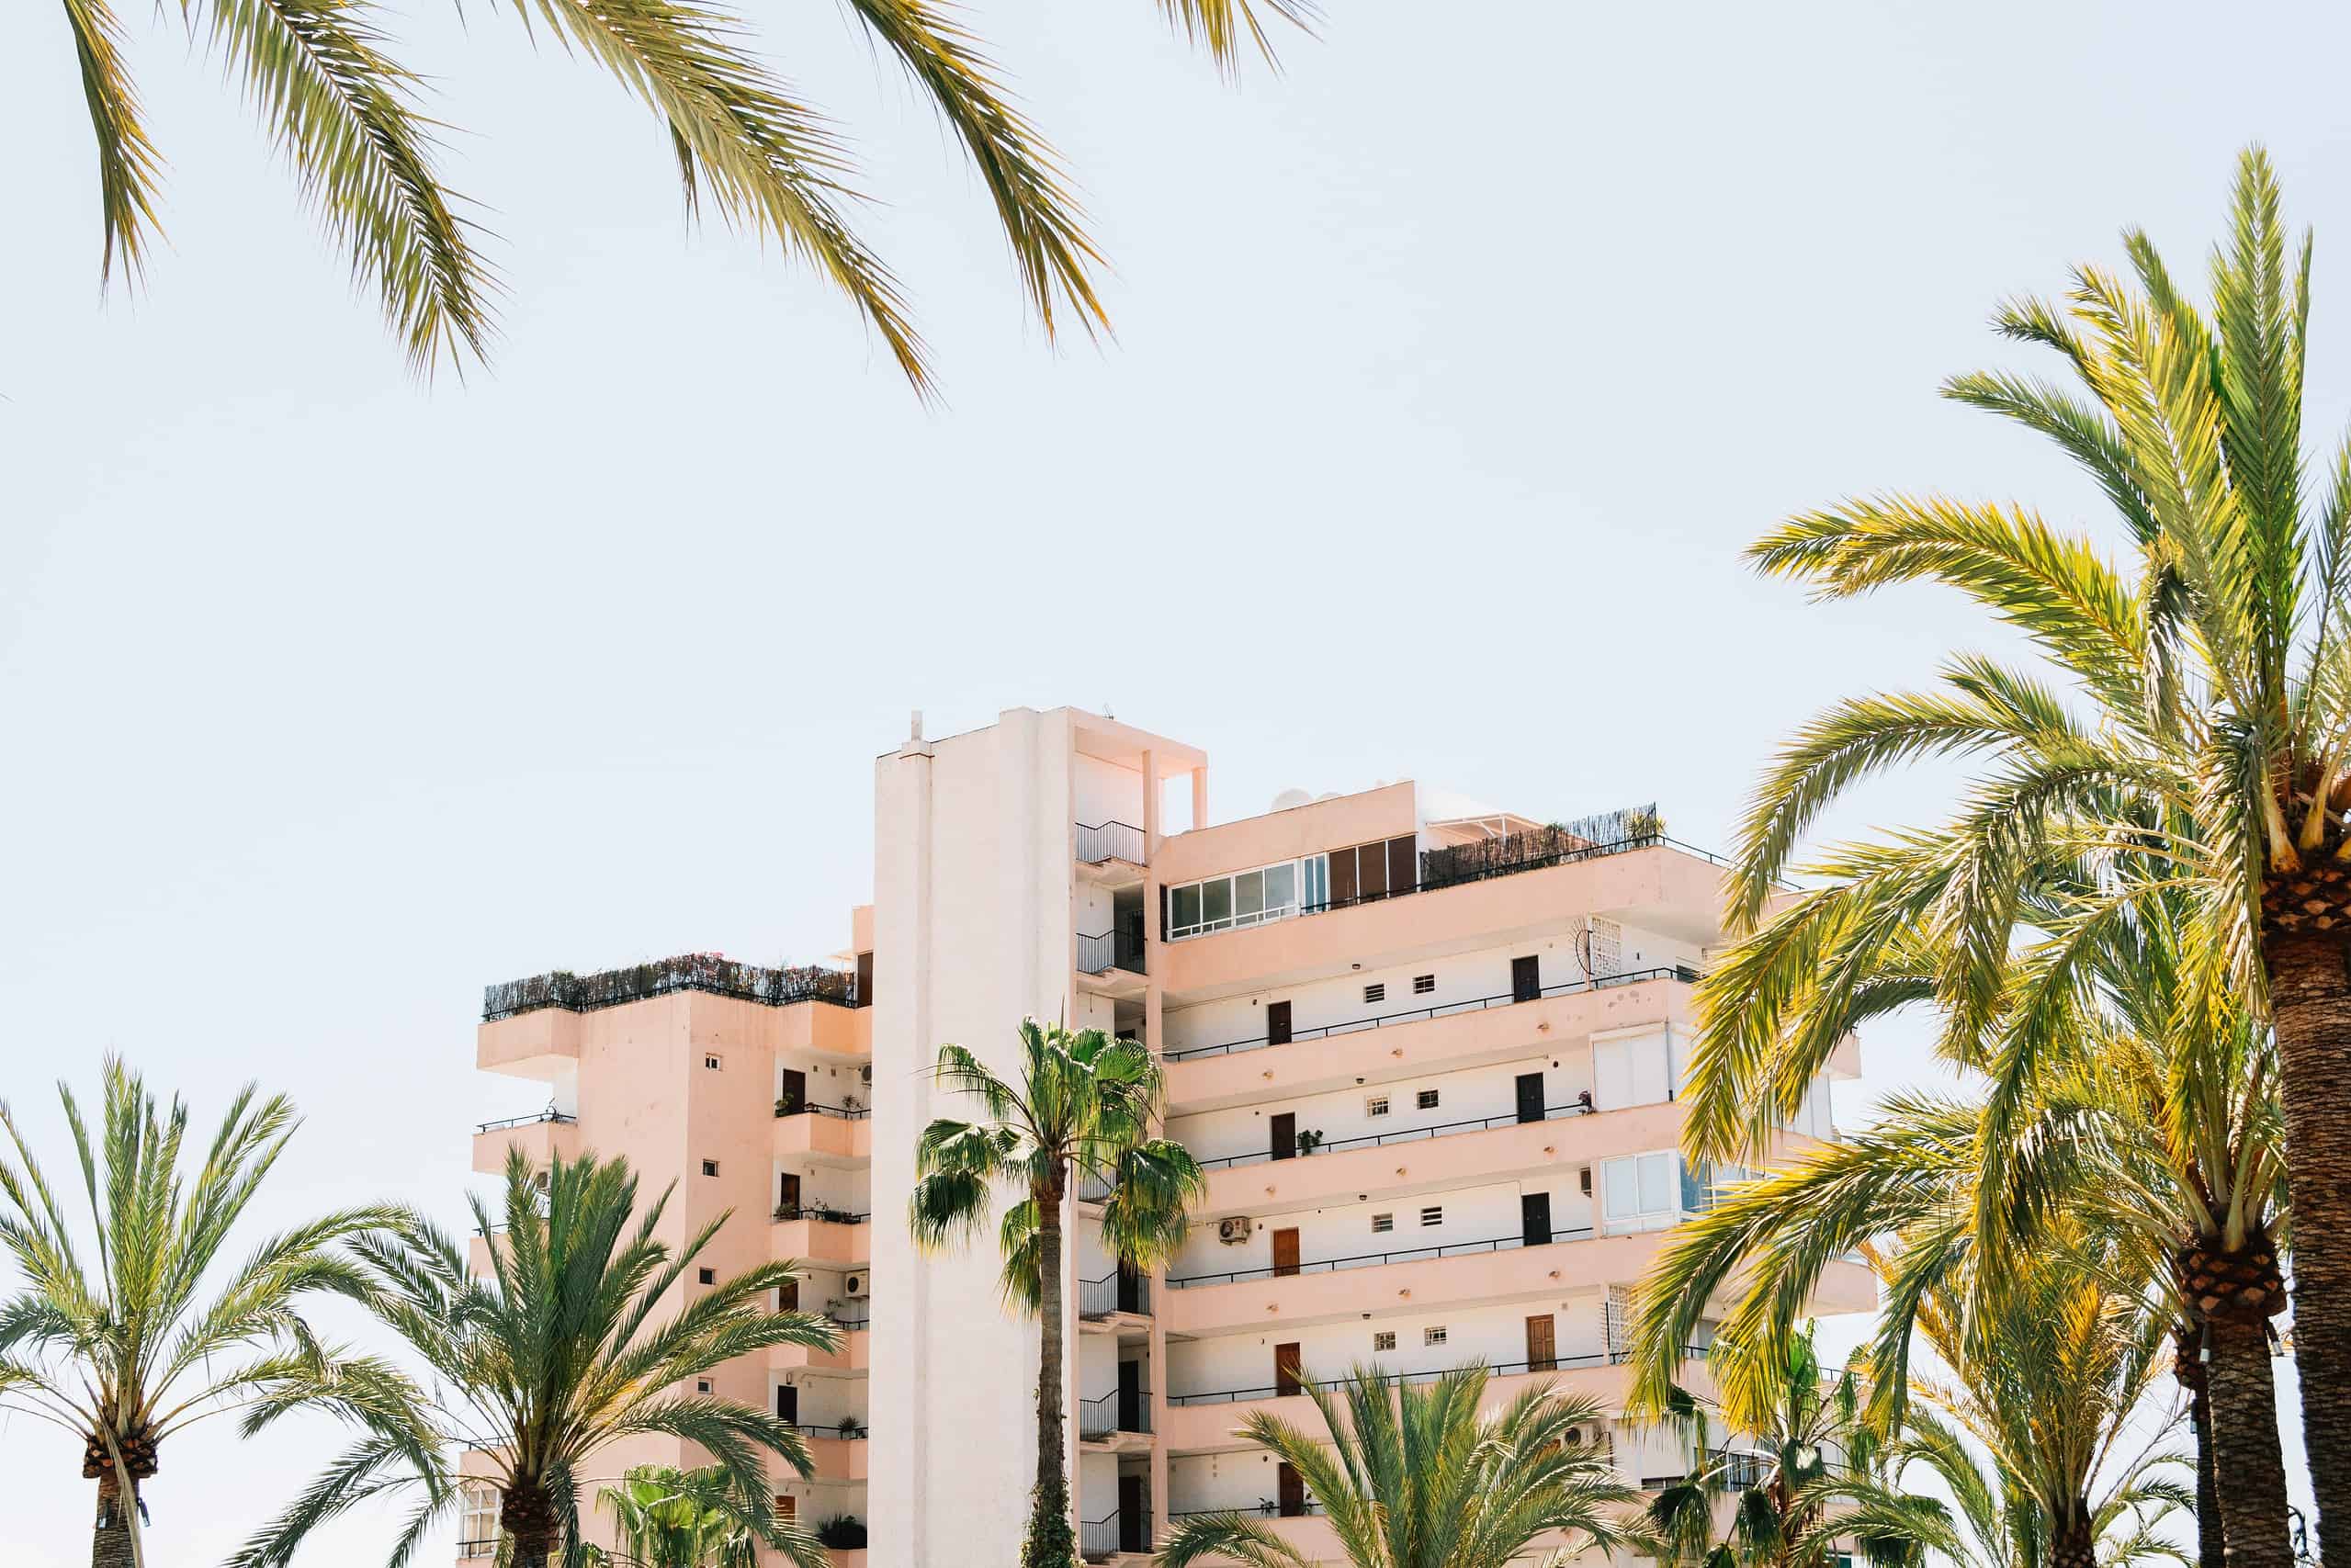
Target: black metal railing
x=478, y=1548
x=1102, y=951
x=1737, y=1468
x=556, y=1118
x=1123, y=1410
x=830, y=1216
x=1268, y=1506
x=848, y=1431
x=1103, y=841
x=1406, y=1135
x=1114, y=1293
x=1101, y=1540
x=1681, y=972
x=705, y=972
x=1092, y=1188
x=787, y=1106
x=1499, y=1368
x=1375, y=1259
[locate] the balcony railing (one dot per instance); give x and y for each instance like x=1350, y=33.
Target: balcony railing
x=1123, y=1410
x=478, y=1548
x=1681, y=972
x=1499, y=1368
x=851, y=1431
x=1114, y=1293
x=1100, y=953
x=830, y=1216
x=551, y=1118
x=1375, y=1259
x=1103, y=841
x=1735, y=1470
x=1101, y=1540
x=1407, y=1135
x=1268, y=1506
x=703, y=972
x=790, y=1107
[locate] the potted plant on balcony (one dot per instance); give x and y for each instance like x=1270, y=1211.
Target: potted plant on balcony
x=1309, y=1140
x=842, y=1532
x=851, y=1429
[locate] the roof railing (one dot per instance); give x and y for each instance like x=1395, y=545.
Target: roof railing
x=705, y=972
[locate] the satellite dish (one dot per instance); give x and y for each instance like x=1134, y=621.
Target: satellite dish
x=1289, y=798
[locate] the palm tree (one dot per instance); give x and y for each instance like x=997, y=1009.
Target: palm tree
x=2047, y=1363
x=2215, y=670
x=553, y=1357
x=1080, y=1106
x=1413, y=1476
x=2113, y=1104
x=350, y=119
x=1808, y=1477
x=124, y=1355
x=667, y=1517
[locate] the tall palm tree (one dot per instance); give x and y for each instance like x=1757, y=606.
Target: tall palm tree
x=2112, y=1104
x=1081, y=1105
x=2206, y=731
x=1411, y=1476
x=120, y=1347
x=666, y=1517
x=1807, y=1477
x=558, y=1354
x=352, y=122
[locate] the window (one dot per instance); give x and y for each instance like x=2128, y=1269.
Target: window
x=1376, y=992
x=1244, y=897
x=707, y=1276
x=714, y=1064
x=1383, y=1340
x=1376, y=1106
x=1434, y=1336
x=1640, y=1192
x=1383, y=1223
x=1423, y=984
x=1434, y=1214
x=478, y=1525
x=709, y=1168
x=1426, y=1099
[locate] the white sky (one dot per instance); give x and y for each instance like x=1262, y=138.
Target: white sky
x=1453, y=368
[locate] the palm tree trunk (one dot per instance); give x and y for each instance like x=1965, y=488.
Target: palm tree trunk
x=2245, y=1442
x=528, y=1520
x=2187, y=1367
x=110, y=1542
x=2073, y=1539
x=1051, y=1542
x=2309, y=1000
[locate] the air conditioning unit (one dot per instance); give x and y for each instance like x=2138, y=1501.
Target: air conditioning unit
x=1234, y=1231
x=854, y=1286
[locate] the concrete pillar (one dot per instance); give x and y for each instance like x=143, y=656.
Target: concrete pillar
x=1200, y=795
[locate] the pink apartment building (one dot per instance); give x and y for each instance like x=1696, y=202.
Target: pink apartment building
x=1427, y=1051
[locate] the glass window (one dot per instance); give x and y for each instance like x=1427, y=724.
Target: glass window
x=1216, y=902
x=1434, y=1336
x=1281, y=887
x=1656, y=1183
x=1426, y=1099
x=1318, y=881
x=1624, y=1189
x=1376, y=1106
x=1187, y=908
x=1384, y=1340
x=1249, y=895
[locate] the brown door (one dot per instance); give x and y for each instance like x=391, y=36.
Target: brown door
x=1286, y=1371
x=787, y=1295
x=787, y=1193
x=1285, y=1253
x=1543, y=1354
x=1372, y=871
x=1403, y=875
x=1285, y=1129
x=1277, y=1024
x=864, y=980
x=1342, y=879
x=1291, y=1492
x=794, y=1097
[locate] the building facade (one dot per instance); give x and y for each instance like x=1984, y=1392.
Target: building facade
x=1428, y=1051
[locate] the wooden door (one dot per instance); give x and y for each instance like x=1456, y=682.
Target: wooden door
x=864, y=980
x=1290, y=1491
x=1542, y=1352
x=1529, y=1097
x=1285, y=1253
x=1526, y=977
x=787, y=1295
x=787, y=1194
x=795, y=1097
x=1134, y=1516
x=1286, y=1371
x=1534, y=1218
x=1284, y=1133
x=1277, y=1024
